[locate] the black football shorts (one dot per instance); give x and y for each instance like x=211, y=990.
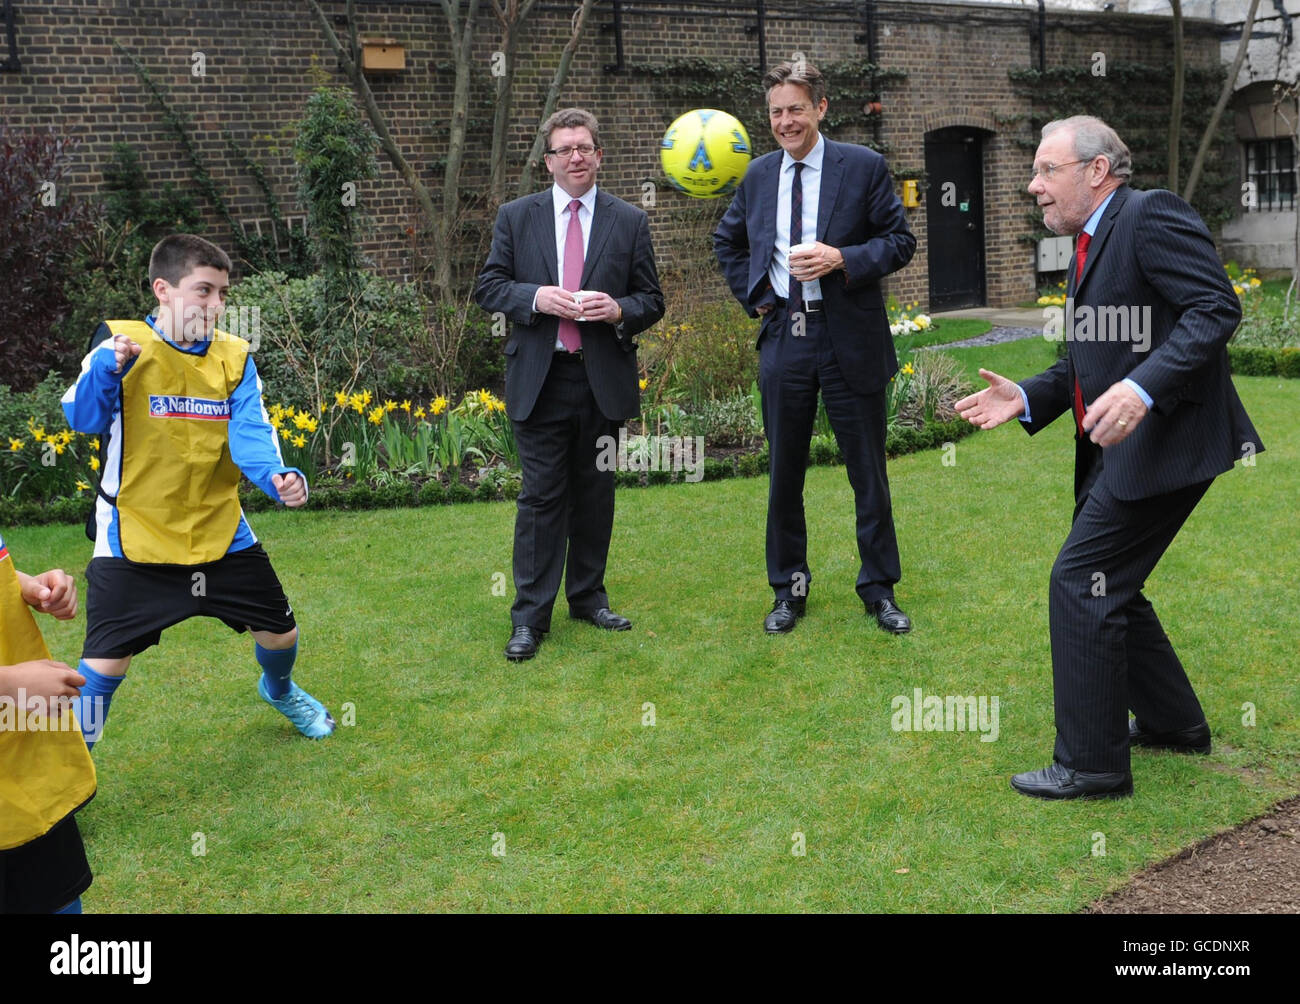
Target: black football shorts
x=129, y=605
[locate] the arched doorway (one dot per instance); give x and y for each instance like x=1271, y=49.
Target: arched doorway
x=954, y=213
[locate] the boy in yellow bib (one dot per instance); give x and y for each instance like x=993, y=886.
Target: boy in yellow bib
x=45, y=770
x=179, y=404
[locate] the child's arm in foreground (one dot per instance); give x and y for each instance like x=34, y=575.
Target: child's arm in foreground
x=55, y=593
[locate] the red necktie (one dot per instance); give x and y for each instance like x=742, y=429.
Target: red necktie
x=1080, y=256
x=570, y=337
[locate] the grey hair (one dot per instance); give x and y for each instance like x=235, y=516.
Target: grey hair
x=1094, y=138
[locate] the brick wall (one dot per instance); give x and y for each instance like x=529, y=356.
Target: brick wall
x=260, y=55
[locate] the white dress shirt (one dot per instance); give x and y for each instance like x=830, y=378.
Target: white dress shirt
x=779, y=271
x=561, y=199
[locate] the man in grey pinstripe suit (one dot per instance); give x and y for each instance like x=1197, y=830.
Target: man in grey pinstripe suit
x=1148, y=316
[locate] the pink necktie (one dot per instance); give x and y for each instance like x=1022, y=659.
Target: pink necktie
x=570, y=337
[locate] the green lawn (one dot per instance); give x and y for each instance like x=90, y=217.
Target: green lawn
x=756, y=739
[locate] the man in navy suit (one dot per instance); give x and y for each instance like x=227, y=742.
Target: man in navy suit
x=1149, y=313
x=571, y=373
x=824, y=328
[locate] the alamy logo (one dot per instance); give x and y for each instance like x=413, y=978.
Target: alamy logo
x=173, y=406
x=1102, y=323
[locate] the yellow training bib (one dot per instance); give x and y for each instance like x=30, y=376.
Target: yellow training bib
x=179, y=498
x=45, y=769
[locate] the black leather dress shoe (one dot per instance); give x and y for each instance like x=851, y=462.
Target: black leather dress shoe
x=523, y=643
x=1193, y=740
x=1062, y=782
x=784, y=616
x=605, y=618
x=889, y=617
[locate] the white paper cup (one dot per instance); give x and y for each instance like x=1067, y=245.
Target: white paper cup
x=578, y=296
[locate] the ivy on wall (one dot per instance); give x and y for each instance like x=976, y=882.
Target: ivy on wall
x=737, y=87
x=1135, y=100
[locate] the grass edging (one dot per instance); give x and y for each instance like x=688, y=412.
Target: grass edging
x=408, y=493
x=1253, y=360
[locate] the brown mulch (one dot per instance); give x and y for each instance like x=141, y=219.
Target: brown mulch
x=1252, y=868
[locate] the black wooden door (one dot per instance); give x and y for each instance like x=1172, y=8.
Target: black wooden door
x=954, y=204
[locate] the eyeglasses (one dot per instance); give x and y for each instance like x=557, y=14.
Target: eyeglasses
x=565, y=152
x=1049, y=172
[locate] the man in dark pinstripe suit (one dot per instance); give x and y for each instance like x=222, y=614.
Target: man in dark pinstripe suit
x=1149, y=313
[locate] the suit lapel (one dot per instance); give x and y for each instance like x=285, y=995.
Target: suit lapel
x=602, y=222
x=832, y=174
x=1104, y=227
x=541, y=220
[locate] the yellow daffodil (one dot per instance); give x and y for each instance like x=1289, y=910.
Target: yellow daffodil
x=82, y=486
x=15, y=445
x=299, y=440
x=38, y=434
x=311, y=424
x=58, y=447
x=94, y=443
x=406, y=406
x=419, y=412
x=276, y=420
x=1237, y=289
x=908, y=369
x=499, y=405
x=66, y=436
x=340, y=399
x=284, y=433
x=358, y=403
x=365, y=397
x=390, y=405
x=439, y=405
x=301, y=419
x=94, y=463
x=484, y=397
x=376, y=415
x=642, y=383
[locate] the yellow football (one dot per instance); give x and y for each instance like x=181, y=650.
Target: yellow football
x=705, y=153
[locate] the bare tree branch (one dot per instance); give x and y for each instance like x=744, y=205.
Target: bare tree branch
x=1208, y=136
x=553, y=95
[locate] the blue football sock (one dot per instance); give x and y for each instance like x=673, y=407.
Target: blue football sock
x=277, y=667
x=92, y=705
x=73, y=907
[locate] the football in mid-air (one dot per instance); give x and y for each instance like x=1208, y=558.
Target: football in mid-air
x=705, y=153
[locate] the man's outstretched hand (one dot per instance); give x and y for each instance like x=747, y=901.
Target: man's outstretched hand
x=999, y=402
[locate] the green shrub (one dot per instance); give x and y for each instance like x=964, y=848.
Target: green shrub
x=751, y=465
x=729, y=421
x=716, y=470
x=302, y=363
x=460, y=492
x=823, y=450
x=1288, y=363
x=1250, y=360
x=432, y=493
x=708, y=353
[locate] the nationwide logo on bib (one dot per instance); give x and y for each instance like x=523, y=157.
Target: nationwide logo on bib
x=173, y=406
